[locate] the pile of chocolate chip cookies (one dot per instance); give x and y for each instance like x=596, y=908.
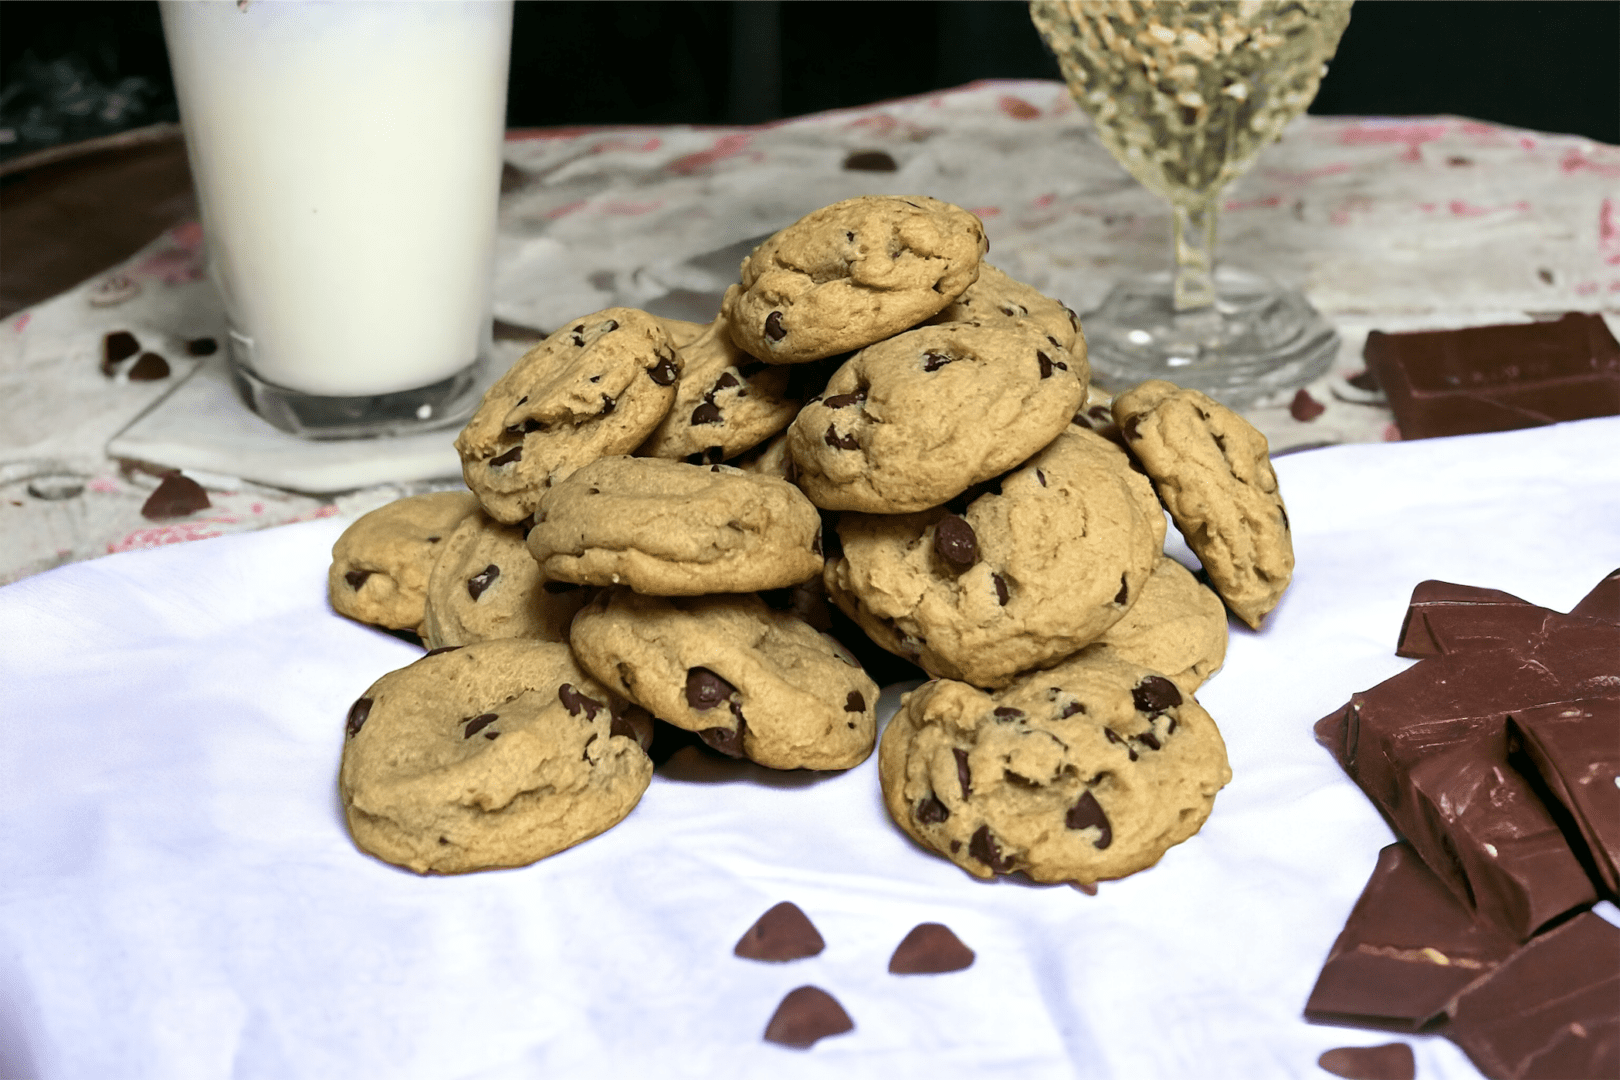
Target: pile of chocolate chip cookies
x=660, y=513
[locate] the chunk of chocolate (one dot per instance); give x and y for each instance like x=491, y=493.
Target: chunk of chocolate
x=149, y=368
x=1552, y=1010
x=930, y=949
x=117, y=347
x=1392, y=1061
x=1603, y=602
x=1497, y=378
x=956, y=543
x=1408, y=947
x=806, y=1015
x=1445, y=618
x=705, y=689
x=177, y=496
x=1305, y=408
x=782, y=933
x=1575, y=746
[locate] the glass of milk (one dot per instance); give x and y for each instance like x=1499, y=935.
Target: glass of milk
x=347, y=159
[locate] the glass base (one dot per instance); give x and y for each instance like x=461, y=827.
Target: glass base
x=1256, y=339
x=446, y=403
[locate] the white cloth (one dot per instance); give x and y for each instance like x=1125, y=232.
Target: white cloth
x=179, y=897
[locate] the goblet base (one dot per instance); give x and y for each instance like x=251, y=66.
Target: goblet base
x=1257, y=338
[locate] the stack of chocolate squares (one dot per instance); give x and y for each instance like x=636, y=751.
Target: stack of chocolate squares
x=1497, y=759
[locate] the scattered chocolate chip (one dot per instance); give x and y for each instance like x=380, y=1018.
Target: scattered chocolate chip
x=773, y=326
x=478, y=723
x=956, y=543
x=930, y=949
x=1113, y=737
x=1087, y=814
x=931, y=811
x=202, y=346
x=358, y=712
x=964, y=775
x=844, y=401
x=782, y=933
x=806, y=1015
x=356, y=578
x=177, y=496
x=855, y=702
x=840, y=442
x=663, y=373
x=705, y=689
x=1392, y=1061
x=482, y=580
x=933, y=361
x=149, y=368
x=706, y=413
x=1087, y=887
x=514, y=454
x=1155, y=694
x=1001, y=589
x=117, y=347
x=633, y=722
x=1124, y=591
x=982, y=846
x=574, y=701
x=442, y=649
x=870, y=161
x=1304, y=407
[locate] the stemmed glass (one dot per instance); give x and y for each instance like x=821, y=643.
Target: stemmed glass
x=1185, y=94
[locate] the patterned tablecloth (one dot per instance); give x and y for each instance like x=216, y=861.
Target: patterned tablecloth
x=1390, y=224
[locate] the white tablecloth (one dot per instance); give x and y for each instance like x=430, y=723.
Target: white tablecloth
x=179, y=898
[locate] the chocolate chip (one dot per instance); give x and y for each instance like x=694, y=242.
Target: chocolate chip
x=933, y=361
x=870, y=161
x=725, y=382
x=633, y=722
x=773, y=326
x=1149, y=740
x=1040, y=477
x=806, y=1015
x=1001, y=589
x=728, y=741
x=706, y=413
x=358, y=712
x=964, y=775
x=931, y=811
x=705, y=689
x=782, y=933
x=202, y=346
x=442, y=649
x=1070, y=709
x=1392, y=1061
x=1124, y=591
x=1305, y=408
x=855, y=702
x=478, y=723
x=1007, y=712
x=956, y=543
x=1114, y=738
x=514, y=454
x=117, y=347
x=574, y=701
x=1046, y=364
x=177, y=496
x=608, y=405
x=844, y=401
x=482, y=580
x=982, y=846
x=1155, y=694
x=1087, y=887
x=930, y=949
x=1129, y=427
x=356, y=578
x=149, y=368
x=840, y=442
x=525, y=428
x=1088, y=814
x=610, y=326
x=663, y=373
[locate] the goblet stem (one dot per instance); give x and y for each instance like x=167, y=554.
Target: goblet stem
x=1195, y=254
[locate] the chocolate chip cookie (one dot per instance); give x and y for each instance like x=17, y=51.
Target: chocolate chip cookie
x=666, y=528
x=1088, y=771
x=381, y=563
x=1212, y=470
x=487, y=586
x=851, y=274
x=915, y=420
x=599, y=386
x=1176, y=626
x=751, y=681
x=1018, y=575
x=494, y=755
x=996, y=298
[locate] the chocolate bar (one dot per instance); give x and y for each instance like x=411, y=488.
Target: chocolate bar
x=1551, y=1010
x=1576, y=748
x=1497, y=378
x=1408, y=948
x=1445, y=618
x=1603, y=602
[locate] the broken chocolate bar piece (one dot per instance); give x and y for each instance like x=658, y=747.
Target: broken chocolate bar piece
x=1408, y=948
x=1603, y=602
x=1576, y=748
x=1551, y=1010
x=1445, y=618
x=1497, y=378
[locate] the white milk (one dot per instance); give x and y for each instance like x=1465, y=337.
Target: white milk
x=347, y=159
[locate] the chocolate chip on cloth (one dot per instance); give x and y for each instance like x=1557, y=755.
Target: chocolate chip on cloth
x=1091, y=770
x=487, y=586
x=1213, y=472
x=666, y=528
x=783, y=933
x=497, y=754
x=850, y=274
x=176, y=496
x=916, y=420
x=930, y=949
x=726, y=402
x=599, y=386
x=382, y=563
x=1059, y=552
x=805, y=1016
x=750, y=681
x=996, y=299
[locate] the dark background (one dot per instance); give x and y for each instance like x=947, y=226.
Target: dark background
x=72, y=70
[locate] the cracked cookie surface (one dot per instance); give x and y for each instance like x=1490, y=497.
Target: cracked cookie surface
x=597, y=387
x=1091, y=770
x=382, y=563
x=487, y=586
x=850, y=274
x=996, y=299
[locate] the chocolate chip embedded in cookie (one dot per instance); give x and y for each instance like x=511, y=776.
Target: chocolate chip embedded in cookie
x=1091, y=770
x=851, y=274
x=381, y=564
x=915, y=420
x=597, y=387
x=1025, y=573
x=751, y=681
x=493, y=755
x=487, y=586
x=669, y=529
x=1213, y=472
x=1176, y=626
x=996, y=299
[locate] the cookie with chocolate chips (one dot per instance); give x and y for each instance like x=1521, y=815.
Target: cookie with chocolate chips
x=1018, y=574
x=751, y=681
x=382, y=563
x=1176, y=625
x=726, y=402
x=666, y=528
x=493, y=755
x=597, y=387
x=487, y=586
x=996, y=299
x=1089, y=771
x=850, y=274
x=1212, y=470
x=915, y=420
